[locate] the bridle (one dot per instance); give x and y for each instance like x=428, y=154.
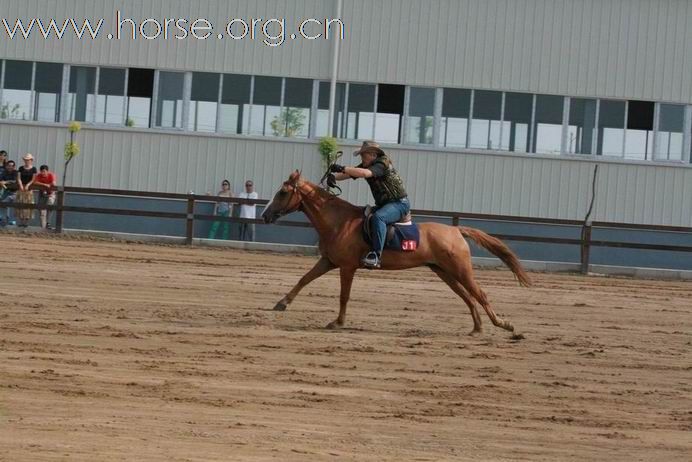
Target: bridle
x=295, y=190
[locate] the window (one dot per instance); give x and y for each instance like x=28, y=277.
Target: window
x=235, y=103
x=294, y=121
x=419, y=126
x=110, y=101
x=547, y=127
x=639, y=137
x=390, y=112
x=48, y=88
x=485, y=126
x=266, y=105
x=517, y=120
x=361, y=107
x=170, y=100
x=80, y=99
x=582, y=121
x=611, y=126
x=140, y=90
x=16, y=94
x=456, y=105
x=323, y=110
x=669, y=139
x=203, y=102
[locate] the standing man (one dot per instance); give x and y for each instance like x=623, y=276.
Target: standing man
x=247, y=230
x=8, y=191
x=45, y=182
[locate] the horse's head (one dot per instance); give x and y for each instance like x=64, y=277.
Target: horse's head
x=286, y=200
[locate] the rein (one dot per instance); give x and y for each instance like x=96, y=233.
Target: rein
x=328, y=172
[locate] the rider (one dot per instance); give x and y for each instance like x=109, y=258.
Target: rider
x=387, y=189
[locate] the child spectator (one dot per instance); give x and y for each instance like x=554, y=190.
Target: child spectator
x=45, y=182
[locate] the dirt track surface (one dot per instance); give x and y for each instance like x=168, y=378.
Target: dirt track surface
x=136, y=352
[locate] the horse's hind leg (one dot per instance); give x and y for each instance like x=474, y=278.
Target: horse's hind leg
x=461, y=292
x=462, y=271
x=321, y=267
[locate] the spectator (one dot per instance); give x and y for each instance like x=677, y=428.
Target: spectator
x=27, y=176
x=3, y=161
x=45, y=182
x=8, y=186
x=222, y=209
x=247, y=230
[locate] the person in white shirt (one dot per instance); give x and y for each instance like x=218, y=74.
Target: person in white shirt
x=247, y=230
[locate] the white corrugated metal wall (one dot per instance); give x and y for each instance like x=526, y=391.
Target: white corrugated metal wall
x=451, y=181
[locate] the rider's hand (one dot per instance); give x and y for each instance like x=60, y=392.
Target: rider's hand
x=336, y=168
x=331, y=181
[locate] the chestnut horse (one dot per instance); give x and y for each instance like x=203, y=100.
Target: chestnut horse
x=339, y=225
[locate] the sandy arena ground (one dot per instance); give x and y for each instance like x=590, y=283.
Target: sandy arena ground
x=112, y=351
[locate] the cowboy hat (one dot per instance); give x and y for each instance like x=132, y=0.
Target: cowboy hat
x=369, y=146
x=28, y=156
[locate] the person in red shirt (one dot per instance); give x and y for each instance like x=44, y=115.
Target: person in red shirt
x=45, y=182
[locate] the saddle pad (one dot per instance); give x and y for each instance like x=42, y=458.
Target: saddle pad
x=406, y=237
x=401, y=237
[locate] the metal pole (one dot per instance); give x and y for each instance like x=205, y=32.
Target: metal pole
x=335, y=68
x=59, y=219
x=190, y=221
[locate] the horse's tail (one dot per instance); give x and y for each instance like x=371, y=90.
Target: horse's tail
x=500, y=250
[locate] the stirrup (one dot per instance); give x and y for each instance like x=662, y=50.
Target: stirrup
x=372, y=260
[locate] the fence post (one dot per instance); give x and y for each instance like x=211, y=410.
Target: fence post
x=585, y=248
x=455, y=221
x=190, y=223
x=59, y=210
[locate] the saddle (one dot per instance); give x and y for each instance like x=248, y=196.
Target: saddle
x=402, y=235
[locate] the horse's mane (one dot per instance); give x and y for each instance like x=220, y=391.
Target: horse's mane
x=326, y=195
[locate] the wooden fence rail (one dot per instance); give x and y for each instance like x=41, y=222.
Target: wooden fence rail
x=586, y=242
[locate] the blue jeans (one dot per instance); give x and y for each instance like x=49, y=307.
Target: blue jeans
x=7, y=197
x=247, y=232
x=388, y=213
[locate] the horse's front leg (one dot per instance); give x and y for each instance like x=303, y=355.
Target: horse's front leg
x=321, y=267
x=346, y=283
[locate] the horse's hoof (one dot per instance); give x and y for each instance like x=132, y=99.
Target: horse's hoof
x=475, y=332
x=280, y=307
x=335, y=325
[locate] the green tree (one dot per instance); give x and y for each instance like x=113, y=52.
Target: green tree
x=71, y=148
x=424, y=128
x=328, y=148
x=289, y=122
x=9, y=112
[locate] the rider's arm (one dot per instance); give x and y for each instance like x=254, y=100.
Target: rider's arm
x=352, y=173
x=344, y=176
x=355, y=172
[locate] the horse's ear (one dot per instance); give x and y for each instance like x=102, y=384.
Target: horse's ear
x=294, y=177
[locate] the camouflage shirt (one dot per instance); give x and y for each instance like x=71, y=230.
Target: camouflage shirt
x=385, y=183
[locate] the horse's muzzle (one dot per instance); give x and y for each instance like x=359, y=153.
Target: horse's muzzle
x=270, y=217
